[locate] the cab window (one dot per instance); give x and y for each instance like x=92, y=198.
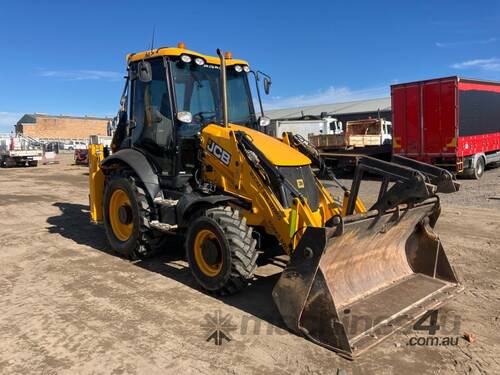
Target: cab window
x=152, y=115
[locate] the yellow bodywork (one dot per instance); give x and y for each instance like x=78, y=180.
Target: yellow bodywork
x=241, y=180
x=96, y=182
x=171, y=51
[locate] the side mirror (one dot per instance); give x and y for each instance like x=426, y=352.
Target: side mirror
x=185, y=117
x=144, y=71
x=264, y=121
x=267, y=85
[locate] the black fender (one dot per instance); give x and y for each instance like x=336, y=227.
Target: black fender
x=188, y=204
x=140, y=165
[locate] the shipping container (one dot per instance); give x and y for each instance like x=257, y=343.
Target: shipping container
x=450, y=122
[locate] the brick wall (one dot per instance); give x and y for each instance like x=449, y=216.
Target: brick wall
x=64, y=127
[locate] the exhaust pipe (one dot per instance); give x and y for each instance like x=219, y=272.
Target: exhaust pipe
x=223, y=79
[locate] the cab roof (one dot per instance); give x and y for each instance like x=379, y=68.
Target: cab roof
x=173, y=51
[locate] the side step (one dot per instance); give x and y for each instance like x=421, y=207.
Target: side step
x=163, y=227
x=167, y=208
x=165, y=202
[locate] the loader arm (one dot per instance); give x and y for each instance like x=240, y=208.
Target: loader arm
x=280, y=207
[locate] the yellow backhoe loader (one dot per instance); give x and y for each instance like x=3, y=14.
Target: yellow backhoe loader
x=188, y=157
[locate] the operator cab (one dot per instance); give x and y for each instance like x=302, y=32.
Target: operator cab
x=172, y=94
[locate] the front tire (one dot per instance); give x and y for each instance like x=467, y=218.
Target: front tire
x=221, y=251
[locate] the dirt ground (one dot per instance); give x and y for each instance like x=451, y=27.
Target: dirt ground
x=68, y=305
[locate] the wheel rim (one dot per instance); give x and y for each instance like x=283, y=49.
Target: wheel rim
x=120, y=215
x=480, y=167
x=208, y=253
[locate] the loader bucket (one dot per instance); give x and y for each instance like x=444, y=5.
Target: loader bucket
x=349, y=287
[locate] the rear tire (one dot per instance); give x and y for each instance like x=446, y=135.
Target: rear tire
x=221, y=251
x=477, y=171
x=127, y=213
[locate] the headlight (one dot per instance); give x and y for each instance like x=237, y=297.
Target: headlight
x=264, y=121
x=186, y=58
x=238, y=68
x=246, y=69
x=185, y=117
x=199, y=61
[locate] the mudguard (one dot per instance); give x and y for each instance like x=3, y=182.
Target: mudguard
x=140, y=165
x=189, y=203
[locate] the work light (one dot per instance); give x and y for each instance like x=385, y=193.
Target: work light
x=186, y=58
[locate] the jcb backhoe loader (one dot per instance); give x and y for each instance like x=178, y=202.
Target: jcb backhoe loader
x=187, y=158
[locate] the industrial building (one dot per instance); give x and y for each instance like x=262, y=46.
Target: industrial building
x=347, y=111
x=43, y=126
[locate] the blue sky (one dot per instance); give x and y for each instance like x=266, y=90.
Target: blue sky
x=68, y=57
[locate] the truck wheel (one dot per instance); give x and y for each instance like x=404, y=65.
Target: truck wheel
x=33, y=163
x=477, y=171
x=127, y=214
x=221, y=251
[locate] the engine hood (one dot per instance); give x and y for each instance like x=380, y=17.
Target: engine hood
x=277, y=152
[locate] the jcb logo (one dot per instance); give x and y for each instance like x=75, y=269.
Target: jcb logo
x=219, y=152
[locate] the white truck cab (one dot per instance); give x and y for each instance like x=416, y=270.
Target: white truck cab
x=386, y=132
x=326, y=125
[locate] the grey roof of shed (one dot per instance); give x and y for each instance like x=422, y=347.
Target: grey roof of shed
x=359, y=106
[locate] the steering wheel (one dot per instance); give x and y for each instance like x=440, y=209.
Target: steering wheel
x=202, y=116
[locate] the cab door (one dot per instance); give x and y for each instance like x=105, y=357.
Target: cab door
x=151, y=115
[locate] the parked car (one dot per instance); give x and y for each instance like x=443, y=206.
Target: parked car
x=75, y=145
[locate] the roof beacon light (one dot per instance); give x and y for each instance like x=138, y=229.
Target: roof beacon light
x=186, y=58
x=199, y=61
x=228, y=55
x=181, y=45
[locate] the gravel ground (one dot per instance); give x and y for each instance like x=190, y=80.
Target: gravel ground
x=68, y=305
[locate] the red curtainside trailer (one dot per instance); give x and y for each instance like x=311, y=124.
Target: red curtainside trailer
x=450, y=122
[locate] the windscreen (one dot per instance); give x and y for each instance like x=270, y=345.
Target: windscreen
x=197, y=90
